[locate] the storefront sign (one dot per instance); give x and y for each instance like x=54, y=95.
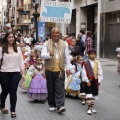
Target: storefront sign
x=83, y=26
x=55, y=11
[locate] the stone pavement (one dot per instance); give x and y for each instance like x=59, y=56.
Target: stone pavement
x=108, y=104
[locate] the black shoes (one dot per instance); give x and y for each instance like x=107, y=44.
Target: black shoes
x=4, y=111
x=61, y=110
x=13, y=115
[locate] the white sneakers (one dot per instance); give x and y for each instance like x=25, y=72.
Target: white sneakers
x=90, y=111
x=52, y=108
x=83, y=102
x=62, y=109
x=94, y=111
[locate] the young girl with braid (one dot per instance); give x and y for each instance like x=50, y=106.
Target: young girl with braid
x=38, y=89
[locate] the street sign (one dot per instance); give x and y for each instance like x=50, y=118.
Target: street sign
x=55, y=11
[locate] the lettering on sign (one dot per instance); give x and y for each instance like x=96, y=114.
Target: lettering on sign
x=55, y=11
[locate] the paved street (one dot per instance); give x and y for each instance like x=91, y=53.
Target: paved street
x=108, y=104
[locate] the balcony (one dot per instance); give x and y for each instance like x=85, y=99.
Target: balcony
x=20, y=5
x=20, y=8
x=20, y=22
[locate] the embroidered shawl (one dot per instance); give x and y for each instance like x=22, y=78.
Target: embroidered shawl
x=39, y=69
x=92, y=73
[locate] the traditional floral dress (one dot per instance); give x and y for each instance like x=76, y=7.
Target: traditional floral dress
x=38, y=88
x=73, y=86
x=25, y=54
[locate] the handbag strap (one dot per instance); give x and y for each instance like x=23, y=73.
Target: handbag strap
x=1, y=60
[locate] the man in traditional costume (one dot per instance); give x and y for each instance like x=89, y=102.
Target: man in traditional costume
x=92, y=74
x=56, y=54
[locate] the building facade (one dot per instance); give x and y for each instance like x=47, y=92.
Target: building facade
x=102, y=17
x=110, y=28
x=2, y=15
x=85, y=15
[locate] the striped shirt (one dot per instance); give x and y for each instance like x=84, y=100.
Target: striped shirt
x=88, y=44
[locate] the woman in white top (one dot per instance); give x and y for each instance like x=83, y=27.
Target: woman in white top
x=11, y=65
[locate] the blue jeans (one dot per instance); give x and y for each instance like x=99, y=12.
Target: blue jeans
x=9, y=84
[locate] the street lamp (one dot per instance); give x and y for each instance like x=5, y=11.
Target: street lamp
x=36, y=15
x=12, y=23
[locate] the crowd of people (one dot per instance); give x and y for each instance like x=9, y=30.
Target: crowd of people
x=49, y=69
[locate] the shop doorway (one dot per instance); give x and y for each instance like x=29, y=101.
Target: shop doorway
x=112, y=39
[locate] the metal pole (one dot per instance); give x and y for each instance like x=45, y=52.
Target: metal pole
x=36, y=6
x=36, y=30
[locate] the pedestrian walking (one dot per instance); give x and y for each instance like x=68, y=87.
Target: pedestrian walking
x=11, y=65
x=73, y=86
x=31, y=60
x=28, y=40
x=1, y=38
x=38, y=87
x=55, y=52
x=33, y=56
x=83, y=36
x=74, y=49
x=80, y=43
x=26, y=65
x=88, y=44
x=69, y=39
x=92, y=74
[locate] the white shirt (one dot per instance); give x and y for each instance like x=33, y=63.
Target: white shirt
x=83, y=38
x=38, y=47
x=12, y=62
x=100, y=72
x=28, y=40
x=46, y=55
x=32, y=70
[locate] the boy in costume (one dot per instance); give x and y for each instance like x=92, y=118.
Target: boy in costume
x=92, y=74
